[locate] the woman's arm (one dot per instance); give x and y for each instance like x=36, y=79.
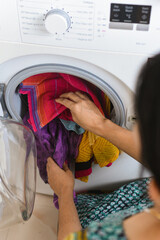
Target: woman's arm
x=87, y=115
x=120, y=137
x=62, y=183
x=68, y=216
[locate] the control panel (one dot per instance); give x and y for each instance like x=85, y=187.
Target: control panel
x=128, y=13
x=57, y=21
x=105, y=25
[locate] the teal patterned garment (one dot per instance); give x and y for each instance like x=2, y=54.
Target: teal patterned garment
x=111, y=228
x=102, y=215
x=95, y=207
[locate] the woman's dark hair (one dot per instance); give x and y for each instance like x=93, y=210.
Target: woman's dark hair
x=148, y=114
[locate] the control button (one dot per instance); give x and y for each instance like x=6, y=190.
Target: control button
x=142, y=27
x=116, y=15
x=57, y=21
x=144, y=17
x=124, y=26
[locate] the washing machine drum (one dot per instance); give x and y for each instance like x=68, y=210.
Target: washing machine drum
x=16, y=107
x=17, y=172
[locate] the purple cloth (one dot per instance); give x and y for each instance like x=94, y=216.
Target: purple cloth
x=53, y=140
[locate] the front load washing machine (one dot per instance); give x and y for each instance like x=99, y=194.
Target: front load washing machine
x=104, y=42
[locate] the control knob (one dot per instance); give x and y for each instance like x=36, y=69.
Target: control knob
x=57, y=21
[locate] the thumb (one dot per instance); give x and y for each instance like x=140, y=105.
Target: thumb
x=50, y=160
x=51, y=163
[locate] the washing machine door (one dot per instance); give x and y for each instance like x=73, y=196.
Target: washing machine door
x=17, y=172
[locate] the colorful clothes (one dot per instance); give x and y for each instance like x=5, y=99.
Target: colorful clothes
x=103, y=214
x=72, y=126
x=93, y=148
x=43, y=89
x=54, y=141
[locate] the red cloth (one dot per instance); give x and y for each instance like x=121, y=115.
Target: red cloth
x=43, y=89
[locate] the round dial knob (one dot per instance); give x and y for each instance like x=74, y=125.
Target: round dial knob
x=57, y=21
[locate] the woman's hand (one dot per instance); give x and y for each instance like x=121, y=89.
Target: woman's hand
x=84, y=111
x=60, y=180
x=62, y=183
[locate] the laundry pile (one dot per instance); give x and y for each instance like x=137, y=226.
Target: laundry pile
x=56, y=134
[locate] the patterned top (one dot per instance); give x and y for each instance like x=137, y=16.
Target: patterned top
x=112, y=208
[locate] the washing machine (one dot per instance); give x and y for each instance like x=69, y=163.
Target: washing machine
x=104, y=42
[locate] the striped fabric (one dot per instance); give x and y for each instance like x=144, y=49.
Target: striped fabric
x=43, y=89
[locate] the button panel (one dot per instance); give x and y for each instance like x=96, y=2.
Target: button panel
x=128, y=13
x=32, y=15
x=94, y=24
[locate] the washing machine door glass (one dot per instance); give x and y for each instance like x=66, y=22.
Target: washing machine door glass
x=17, y=172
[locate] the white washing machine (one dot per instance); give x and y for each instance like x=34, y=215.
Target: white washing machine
x=104, y=42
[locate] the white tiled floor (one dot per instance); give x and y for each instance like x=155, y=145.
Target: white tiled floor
x=41, y=226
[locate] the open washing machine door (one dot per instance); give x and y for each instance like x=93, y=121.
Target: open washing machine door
x=17, y=172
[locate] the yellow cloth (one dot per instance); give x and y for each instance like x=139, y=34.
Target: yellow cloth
x=108, y=104
x=102, y=150
x=92, y=138
x=85, y=152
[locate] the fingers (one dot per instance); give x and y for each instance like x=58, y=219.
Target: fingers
x=75, y=97
x=67, y=103
x=65, y=167
x=51, y=163
x=71, y=96
x=82, y=95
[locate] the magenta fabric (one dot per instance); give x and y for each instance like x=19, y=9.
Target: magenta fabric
x=109, y=164
x=82, y=173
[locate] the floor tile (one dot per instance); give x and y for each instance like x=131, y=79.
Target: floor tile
x=42, y=225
